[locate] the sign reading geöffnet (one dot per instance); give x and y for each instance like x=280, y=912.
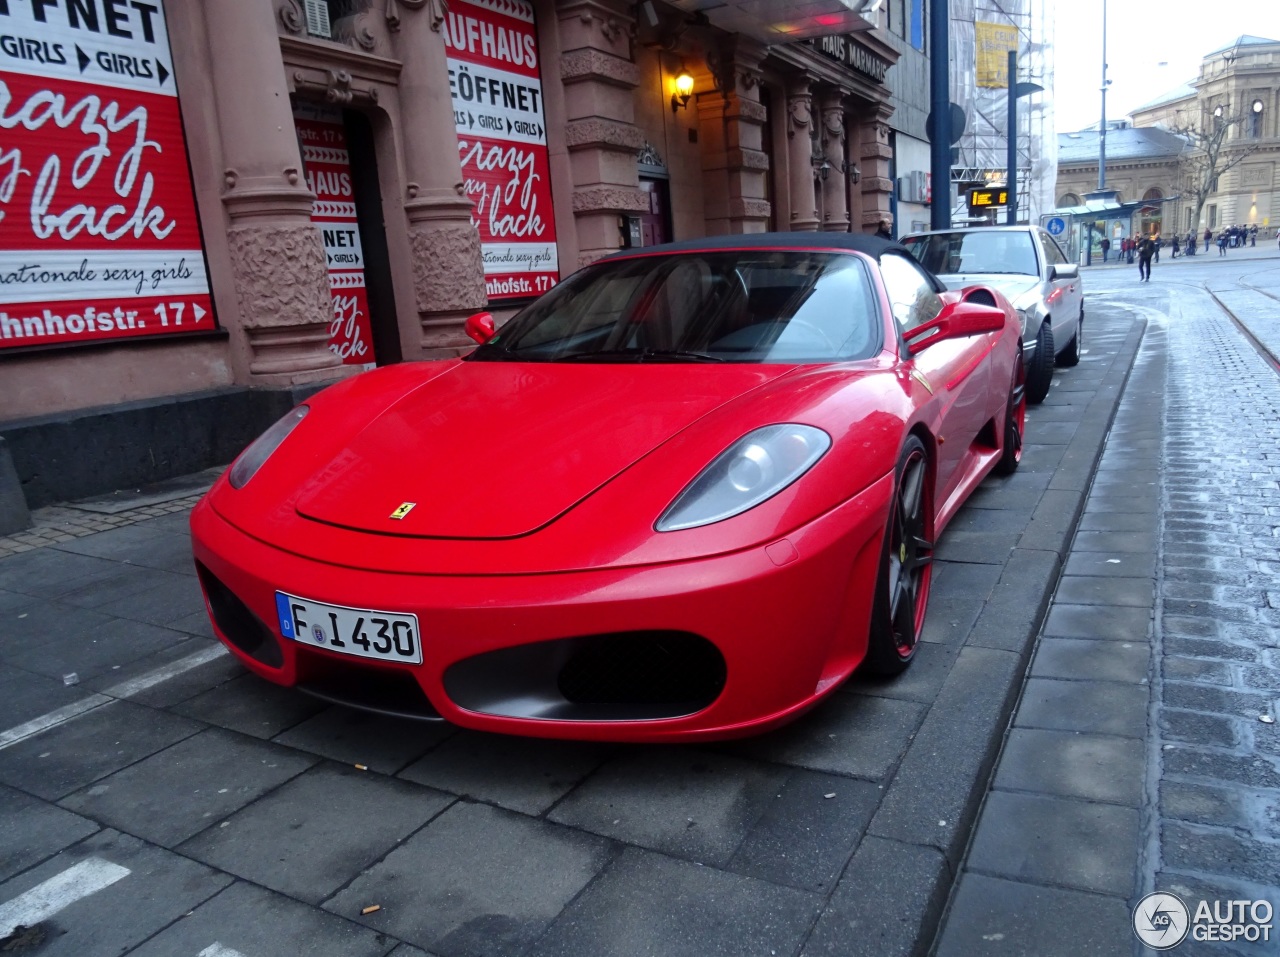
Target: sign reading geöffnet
x=99, y=237
x=494, y=79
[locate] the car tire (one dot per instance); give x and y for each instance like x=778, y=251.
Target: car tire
x=906, y=566
x=1015, y=422
x=1040, y=369
x=1070, y=356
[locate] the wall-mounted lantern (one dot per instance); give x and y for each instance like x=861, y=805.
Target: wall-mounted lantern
x=684, y=90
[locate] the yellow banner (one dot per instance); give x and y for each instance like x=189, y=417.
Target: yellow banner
x=993, y=43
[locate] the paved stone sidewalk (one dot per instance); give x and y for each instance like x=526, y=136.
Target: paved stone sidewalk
x=1137, y=760
x=253, y=818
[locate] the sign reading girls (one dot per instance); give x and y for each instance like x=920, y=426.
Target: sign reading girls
x=496, y=87
x=99, y=237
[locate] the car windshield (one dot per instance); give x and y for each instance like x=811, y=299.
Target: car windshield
x=975, y=251
x=786, y=306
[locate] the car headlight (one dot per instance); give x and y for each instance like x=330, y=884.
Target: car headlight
x=754, y=469
x=1022, y=317
x=251, y=459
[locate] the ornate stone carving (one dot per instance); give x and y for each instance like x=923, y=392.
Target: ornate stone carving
x=597, y=65
x=335, y=85
x=280, y=275
x=448, y=272
x=799, y=114
x=649, y=156
x=355, y=32
x=291, y=16
x=743, y=208
x=595, y=199
x=720, y=63
x=833, y=123
x=438, y=10
x=598, y=132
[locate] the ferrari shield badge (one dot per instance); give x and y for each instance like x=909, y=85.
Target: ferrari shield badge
x=403, y=509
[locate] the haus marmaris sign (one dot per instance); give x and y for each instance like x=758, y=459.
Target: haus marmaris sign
x=848, y=51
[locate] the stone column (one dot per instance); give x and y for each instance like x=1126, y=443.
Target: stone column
x=876, y=185
x=804, y=201
x=278, y=262
x=600, y=79
x=448, y=272
x=731, y=133
x=835, y=212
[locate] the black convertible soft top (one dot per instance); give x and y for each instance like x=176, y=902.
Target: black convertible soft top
x=872, y=246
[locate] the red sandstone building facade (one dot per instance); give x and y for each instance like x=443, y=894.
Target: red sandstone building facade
x=350, y=199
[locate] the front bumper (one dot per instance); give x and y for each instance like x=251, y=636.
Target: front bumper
x=788, y=621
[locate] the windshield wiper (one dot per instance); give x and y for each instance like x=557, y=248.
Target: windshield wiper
x=645, y=355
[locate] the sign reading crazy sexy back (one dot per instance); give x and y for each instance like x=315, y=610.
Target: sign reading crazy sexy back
x=502, y=142
x=98, y=231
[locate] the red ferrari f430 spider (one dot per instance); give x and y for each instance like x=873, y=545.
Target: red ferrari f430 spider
x=683, y=495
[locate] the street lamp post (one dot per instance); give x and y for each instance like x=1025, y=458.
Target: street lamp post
x=1016, y=90
x=1102, y=129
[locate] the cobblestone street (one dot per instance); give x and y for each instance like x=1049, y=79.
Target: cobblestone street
x=1162, y=751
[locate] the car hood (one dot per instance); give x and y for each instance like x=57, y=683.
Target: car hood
x=499, y=449
x=1013, y=287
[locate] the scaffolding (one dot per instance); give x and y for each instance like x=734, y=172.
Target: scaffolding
x=981, y=153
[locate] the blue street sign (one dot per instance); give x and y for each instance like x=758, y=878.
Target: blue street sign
x=1056, y=225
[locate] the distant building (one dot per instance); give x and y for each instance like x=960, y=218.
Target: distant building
x=1144, y=158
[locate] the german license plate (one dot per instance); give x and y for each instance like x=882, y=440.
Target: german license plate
x=363, y=632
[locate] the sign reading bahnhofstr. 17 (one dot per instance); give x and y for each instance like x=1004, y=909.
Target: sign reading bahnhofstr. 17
x=494, y=79
x=99, y=237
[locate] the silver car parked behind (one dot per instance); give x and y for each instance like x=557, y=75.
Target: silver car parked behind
x=1026, y=264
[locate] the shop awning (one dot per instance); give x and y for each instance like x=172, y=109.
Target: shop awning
x=785, y=21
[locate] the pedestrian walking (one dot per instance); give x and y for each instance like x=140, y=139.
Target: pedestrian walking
x=1191, y=243
x=1106, y=248
x=1253, y=235
x=1146, y=250
x=1208, y=235
x=883, y=230
x=1157, y=242
x=1222, y=243
x=1176, y=245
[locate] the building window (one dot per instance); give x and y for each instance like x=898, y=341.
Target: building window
x=1213, y=217
x=1255, y=120
x=1067, y=200
x=1190, y=224
x=917, y=24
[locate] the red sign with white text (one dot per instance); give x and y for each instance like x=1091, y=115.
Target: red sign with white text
x=99, y=237
x=502, y=141
x=328, y=168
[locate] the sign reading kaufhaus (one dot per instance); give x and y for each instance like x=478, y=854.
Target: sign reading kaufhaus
x=98, y=231
x=496, y=85
x=848, y=51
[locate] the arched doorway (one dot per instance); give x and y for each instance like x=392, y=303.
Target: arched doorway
x=1149, y=216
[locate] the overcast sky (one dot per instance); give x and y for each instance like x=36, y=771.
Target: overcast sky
x=1151, y=48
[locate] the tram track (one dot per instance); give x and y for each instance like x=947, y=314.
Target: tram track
x=1267, y=355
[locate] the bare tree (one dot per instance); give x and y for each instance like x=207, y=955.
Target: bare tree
x=1209, y=152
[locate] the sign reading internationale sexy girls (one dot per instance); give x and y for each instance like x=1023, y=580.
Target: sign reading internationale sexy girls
x=98, y=231
x=328, y=167
x=502, y=141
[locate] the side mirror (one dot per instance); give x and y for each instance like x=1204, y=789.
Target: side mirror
x=957, y=320
x=480, y=327
x=1064, y=271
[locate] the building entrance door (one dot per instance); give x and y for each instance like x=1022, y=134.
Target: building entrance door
x=655, y=225
x=340, y=169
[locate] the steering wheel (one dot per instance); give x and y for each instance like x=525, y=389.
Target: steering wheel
x=818, y=332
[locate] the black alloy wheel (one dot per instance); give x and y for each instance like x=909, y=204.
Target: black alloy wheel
x=1040, y=369
x=1015, y=422
x=906, y=567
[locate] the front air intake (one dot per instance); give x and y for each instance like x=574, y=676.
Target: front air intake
x=623, y=676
